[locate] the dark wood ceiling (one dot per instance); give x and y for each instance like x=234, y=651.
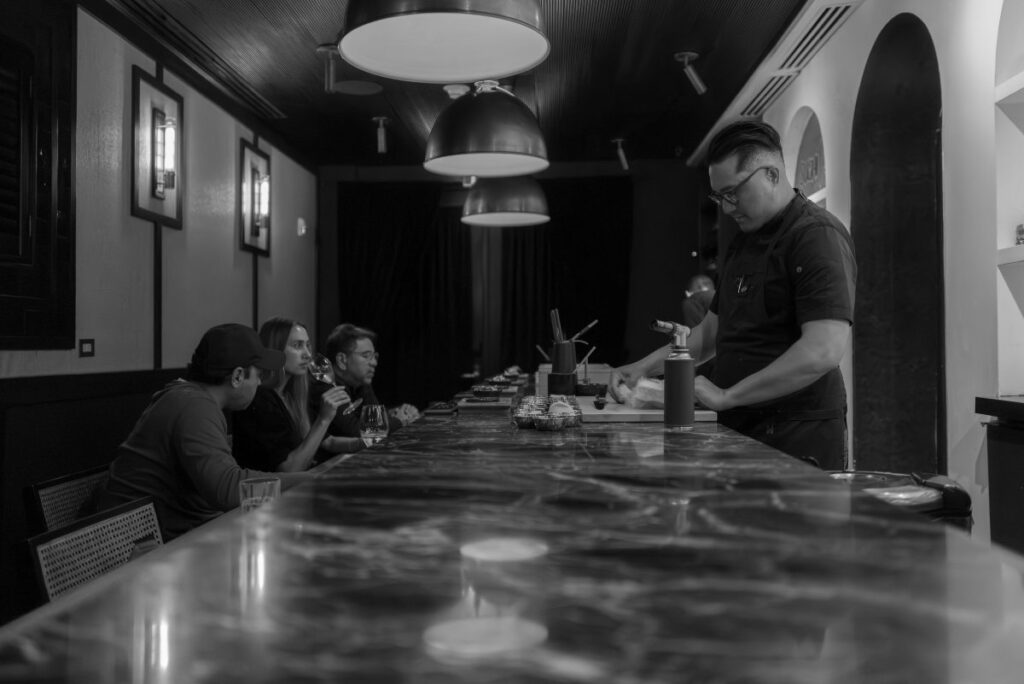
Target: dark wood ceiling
x=611, y=73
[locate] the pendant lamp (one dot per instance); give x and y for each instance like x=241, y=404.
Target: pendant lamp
x=505, y=202
x=487, y=133
x=443, y=41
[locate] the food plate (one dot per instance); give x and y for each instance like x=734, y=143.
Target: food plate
x=485, y=403
x=441, y=408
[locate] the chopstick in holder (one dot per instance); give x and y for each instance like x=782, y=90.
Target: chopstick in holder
x=554, y=326
x=558, y=322
x=585, y=329
x=586, y=356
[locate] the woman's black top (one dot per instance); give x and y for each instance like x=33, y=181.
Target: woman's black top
x=264, y=433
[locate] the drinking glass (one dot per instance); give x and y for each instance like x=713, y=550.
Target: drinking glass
x=256, y=491
x=321, y=369
x=373, y=424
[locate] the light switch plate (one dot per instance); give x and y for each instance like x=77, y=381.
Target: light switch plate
x=86, y=347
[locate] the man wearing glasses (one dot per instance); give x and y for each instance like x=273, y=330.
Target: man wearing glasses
x=354, y=362
x=780, y=320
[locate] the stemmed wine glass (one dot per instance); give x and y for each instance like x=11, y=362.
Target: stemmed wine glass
x=373, y=424
x=321, y=369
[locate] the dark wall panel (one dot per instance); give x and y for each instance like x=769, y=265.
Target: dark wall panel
x=52, y=426
x=899, y=421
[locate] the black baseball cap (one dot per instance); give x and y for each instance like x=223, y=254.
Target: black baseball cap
x=232, y=345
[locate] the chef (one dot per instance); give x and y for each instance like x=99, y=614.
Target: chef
x=780, y=320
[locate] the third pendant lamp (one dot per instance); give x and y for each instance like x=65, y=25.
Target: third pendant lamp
x=487, y=133
x=443, y=41
x=516, y=201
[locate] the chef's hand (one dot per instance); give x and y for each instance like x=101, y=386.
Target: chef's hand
x=331, y=401
x=711, y=395
x=623, y=375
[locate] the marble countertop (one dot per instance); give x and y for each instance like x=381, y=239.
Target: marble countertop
x=467, y=551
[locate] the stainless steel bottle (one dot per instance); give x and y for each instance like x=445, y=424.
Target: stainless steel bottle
x=678, y=379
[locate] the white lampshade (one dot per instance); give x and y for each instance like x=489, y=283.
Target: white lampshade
x=487, y=133
x=506, y=202
x=443, y=41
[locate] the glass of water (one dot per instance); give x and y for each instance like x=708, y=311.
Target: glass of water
x=257, y=491
x=373, y=424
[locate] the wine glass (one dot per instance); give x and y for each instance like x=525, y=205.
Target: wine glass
x=373, y=424
x=321, y=369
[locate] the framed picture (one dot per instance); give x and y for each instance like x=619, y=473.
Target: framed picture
x=157, y=160
x=254, y=199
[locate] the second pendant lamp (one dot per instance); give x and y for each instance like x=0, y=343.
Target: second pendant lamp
x=486, y=133
x=506, y=202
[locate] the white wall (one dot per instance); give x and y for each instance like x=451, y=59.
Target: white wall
x=964, y=33
x=207, y=279
x=292, y=257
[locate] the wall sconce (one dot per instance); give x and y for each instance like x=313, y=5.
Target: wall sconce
x=260, y=202
x=687, y=59
x=623, y=162
x=163, y=147
x=487, y=133
x=382, y=134
x=443, y=41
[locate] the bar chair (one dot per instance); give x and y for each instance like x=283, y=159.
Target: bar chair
x=62, y=500
x=72, y=555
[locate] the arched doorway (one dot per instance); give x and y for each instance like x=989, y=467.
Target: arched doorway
x=805, y=145
x=896, y=221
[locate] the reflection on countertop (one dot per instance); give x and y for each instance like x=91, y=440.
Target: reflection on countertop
x=465, y=550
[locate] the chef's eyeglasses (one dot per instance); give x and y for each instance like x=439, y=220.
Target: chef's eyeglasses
x=730, y=195
x=367, y=355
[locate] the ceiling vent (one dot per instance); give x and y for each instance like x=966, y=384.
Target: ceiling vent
x=818, y=22
x=771, y=90
x=827, y=22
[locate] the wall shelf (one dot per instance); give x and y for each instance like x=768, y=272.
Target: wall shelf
x=1011, y=90
x=1009, y=98
x=1010, y=255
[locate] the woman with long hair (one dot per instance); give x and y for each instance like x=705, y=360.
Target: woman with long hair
x=276, y=433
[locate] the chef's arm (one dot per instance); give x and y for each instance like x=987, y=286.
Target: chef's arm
x=701, y=343
x=819, y=350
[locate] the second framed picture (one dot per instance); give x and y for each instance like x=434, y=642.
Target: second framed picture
x=254, y=199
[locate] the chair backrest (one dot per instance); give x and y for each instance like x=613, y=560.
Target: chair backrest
x=62, y=500
x=72, y=555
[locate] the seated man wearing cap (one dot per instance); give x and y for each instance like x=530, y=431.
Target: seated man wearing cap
x=178, y=451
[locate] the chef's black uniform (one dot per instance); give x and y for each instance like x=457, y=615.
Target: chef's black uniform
x=798, y=267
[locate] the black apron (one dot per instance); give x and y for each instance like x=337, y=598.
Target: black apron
x=810, y=423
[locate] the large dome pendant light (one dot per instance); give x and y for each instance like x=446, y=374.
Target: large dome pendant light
x=506, y=202
x=487, y=133
x=443, y=41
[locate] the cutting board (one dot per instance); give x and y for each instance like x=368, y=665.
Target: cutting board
x=620, y=413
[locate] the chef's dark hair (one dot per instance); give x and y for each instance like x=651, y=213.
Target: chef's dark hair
x=745, y=139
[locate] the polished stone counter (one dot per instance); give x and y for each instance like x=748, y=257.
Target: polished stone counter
x=468, y=551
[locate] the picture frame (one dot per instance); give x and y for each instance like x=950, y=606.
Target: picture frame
x=254, y=199
x=158, y=182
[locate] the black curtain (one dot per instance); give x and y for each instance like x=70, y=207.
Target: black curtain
x=404, y=272
x=578, y=263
